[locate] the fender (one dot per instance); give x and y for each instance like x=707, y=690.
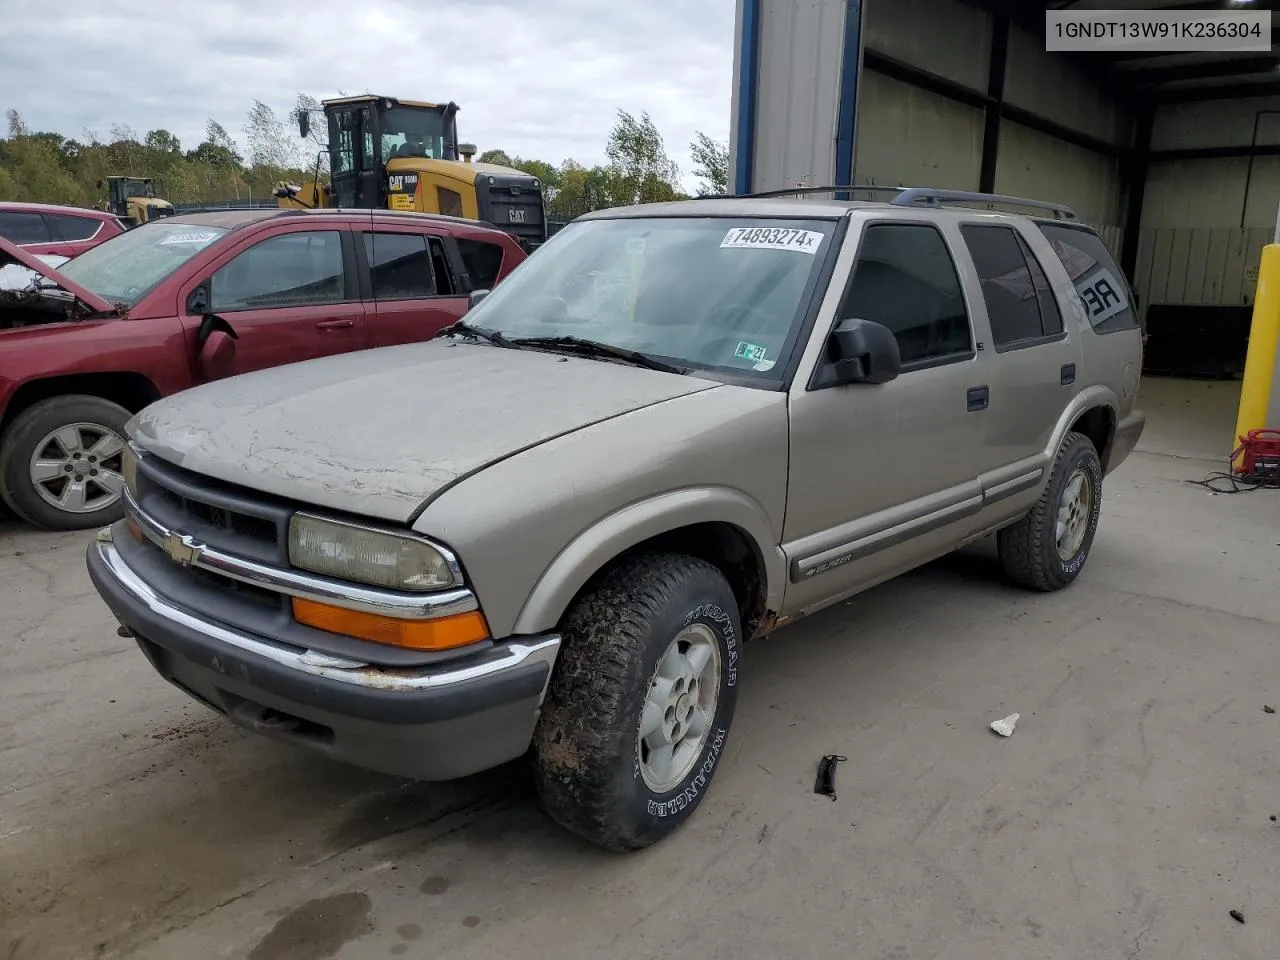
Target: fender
x=1096, y=395
x=611, y=535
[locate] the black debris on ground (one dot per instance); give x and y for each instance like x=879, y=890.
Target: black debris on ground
x=1237, y=916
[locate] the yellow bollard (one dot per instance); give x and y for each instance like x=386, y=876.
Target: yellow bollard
x=1264, y=340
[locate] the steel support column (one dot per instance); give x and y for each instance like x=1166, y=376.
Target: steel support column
x=847, y=115
x=1135, y=174
x=748, y=84
x=995, y=91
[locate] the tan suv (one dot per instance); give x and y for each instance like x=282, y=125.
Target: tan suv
x=673, y=429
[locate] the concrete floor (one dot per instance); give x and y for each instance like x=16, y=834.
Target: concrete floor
x=1127, y=815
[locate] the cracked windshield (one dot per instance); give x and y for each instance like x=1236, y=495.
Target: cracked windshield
x=711, y=294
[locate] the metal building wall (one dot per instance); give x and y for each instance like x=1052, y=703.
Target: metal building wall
x=798, y=63
x=930, y=110
x=1206, y=215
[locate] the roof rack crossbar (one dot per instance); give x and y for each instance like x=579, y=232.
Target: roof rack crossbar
x=929, y=197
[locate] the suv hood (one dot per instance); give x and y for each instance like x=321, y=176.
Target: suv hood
x=380, y=432
x=12, y=253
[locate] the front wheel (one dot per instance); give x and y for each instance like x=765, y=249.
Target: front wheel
x=638, y=711
x=61, y=463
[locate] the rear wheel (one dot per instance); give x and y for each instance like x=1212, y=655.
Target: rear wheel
x=61, y=463
x=639, y=708
x=1047, y=549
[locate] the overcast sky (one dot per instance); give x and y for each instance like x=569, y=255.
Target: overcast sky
x=539, y=78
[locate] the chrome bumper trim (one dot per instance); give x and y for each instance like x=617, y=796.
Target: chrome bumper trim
x=515, y=653
x=188, y=551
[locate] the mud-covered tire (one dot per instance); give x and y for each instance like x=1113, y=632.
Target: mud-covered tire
x=29, y=430
x=1029, y=550
x=587, y=748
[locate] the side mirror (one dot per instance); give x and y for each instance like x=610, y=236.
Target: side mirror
x=863, y=351
x=304, y=124
x=216, y=355
x=473, y=301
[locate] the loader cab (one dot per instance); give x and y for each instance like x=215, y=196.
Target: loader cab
x=366, y=132
x=134, y=200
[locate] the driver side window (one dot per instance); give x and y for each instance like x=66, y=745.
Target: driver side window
x=292, y=269
x=906, y=280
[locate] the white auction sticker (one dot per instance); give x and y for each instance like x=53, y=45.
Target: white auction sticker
x=772, y=238
x=189, y=238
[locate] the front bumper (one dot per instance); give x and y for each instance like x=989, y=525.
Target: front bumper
x=440, y=722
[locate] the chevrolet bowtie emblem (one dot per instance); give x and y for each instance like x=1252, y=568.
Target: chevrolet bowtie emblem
x=182, y=549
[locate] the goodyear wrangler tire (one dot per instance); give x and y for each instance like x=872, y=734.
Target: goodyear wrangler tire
x=1047, y=549
x=638, y=710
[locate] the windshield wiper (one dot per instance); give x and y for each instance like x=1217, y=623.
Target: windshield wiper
x=462, y=328
x=592, y=348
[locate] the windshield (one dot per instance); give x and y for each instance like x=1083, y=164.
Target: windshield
x=412, y=132
x=127, y=267
x=712, y=294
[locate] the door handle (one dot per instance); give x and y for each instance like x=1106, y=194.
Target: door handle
x=1068, y=374
x=978, y=398
x=335, y=324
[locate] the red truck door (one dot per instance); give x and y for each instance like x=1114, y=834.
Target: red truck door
x=415, y=291
x=292, y=295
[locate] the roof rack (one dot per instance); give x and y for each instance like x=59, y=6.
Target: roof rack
x=923, y=197
x=928, y=197
x=799, y=191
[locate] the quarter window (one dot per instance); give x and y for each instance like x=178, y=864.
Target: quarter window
x=400, y=265
x=1096, y=277
x=292, y=269
x=483, y=261
x=906, y=280
x=68, y=228
x=23, y=228
x=1020, y=303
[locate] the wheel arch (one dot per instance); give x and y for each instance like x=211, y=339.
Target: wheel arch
x=1098, y=425
x=133, y=391
x=719, y=525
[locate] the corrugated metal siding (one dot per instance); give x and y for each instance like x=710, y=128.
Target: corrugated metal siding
x=801, y=47
x=1053, y=87
x=910, y=137
x=1033, y=164
x=1200, y=267
x=955, y=45
x=1215, y=123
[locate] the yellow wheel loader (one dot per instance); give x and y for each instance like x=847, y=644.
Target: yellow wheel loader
x=394, y=154
x=134, y=200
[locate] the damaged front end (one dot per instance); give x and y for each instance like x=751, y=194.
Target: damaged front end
x=33, y=293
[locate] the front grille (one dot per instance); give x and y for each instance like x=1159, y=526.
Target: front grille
x=219, y=514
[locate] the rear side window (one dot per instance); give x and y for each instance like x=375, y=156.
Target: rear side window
x=906, y=280
x=1020, y=304
x=69, y=228
x=400, y=265
x=483, y=261
x=23, y=227
x=1096, y=277
x=288, y=270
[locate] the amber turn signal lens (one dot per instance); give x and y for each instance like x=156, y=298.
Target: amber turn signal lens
x=445, y=633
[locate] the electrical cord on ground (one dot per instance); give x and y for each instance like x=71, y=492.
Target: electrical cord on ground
x=1228, y=482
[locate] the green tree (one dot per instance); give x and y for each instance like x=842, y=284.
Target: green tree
x=710, y=164
x=499, y=157
x=638, y=157
x=270, y=142
x=162, y=141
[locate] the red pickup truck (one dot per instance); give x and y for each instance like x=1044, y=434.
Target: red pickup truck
x=196, y=297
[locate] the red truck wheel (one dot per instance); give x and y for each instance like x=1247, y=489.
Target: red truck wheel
x=60, y=463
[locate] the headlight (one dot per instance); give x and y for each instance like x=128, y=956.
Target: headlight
x=348, y=552
x=129, y=467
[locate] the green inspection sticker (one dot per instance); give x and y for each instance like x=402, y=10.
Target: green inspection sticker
x=750, y=351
